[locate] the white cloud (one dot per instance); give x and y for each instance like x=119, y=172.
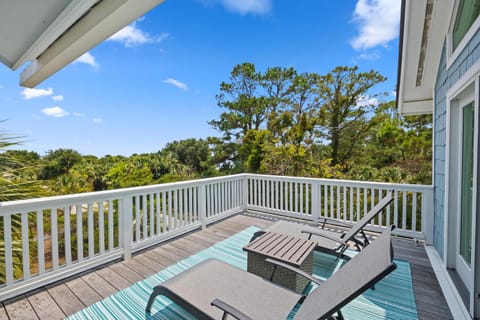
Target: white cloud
x=248, y=6
x=394, y=93
x=87, y=58
x=57, y=98
x=364, y=101
x=176, y=83
x=55, y=112
x=242, y=7
x=132, y=36
x=28, y=93
x=378, y=22
x=372, y=56
x=79, y=114
x=97, y=120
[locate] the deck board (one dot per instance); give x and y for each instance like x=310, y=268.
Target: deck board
x=165, y=260
x=20, y=309
x=169, y=257
x=69, y=296
x=125, y=272
x=44, y=305
x=66, y=300
x=3, y=313
x=113, y=278
x=97, y=283
x=83, y=291
x=139, y=267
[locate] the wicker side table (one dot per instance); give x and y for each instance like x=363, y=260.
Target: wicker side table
x=294, y=251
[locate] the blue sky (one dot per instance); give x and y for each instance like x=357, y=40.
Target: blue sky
x=155, y=81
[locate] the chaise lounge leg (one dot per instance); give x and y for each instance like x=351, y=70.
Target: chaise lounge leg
x=151, y=299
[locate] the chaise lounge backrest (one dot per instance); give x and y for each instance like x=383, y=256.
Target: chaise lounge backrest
x=357, y=227
x=358, y=275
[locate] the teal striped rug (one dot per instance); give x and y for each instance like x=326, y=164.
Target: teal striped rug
x=392, y=298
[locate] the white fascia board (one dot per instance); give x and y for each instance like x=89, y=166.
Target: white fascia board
x=74, y=11
x=409, y=94
x=417, y=107
x=406, y=44
x=106, y=18
x=415, y=99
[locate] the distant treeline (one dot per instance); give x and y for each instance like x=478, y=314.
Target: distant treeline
x=277, y=122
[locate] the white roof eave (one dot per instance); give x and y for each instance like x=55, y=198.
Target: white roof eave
x=96, y=25
x=416, y=82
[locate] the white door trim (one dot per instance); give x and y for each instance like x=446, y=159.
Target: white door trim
x=469, y=81
x=463, y=269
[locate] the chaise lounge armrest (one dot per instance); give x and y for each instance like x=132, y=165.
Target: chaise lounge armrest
x=229, y=310
x=346, y=224
x=320, y=234
x=302, y=273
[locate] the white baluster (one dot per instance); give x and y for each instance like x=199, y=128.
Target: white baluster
x=25, y=247
x=54, y=237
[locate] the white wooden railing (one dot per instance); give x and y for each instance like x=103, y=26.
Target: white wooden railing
x=344, y=200
x=47, y=239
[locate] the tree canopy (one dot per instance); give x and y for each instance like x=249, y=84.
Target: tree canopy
x=278, y=121
x=306, y=124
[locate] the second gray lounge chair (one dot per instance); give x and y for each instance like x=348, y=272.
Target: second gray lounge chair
x=216, y=290
x=329, y=241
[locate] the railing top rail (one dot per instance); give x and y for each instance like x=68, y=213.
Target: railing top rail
x=46, y=202
x=107, y=194
x=383, y=185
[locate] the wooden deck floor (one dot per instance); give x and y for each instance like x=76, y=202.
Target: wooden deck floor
x=71, y=295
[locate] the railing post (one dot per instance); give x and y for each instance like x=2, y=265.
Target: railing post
x=202, y=202
x=428, y=216
x=245, y=193
x=315, y=202
x=126, y=230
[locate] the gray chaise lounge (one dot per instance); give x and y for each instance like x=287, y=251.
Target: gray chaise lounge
x=330, y=241
x=214, y=290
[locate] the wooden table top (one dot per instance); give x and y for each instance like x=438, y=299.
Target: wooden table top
x=282, y=247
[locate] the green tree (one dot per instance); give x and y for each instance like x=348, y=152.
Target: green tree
x=400, y=146
x=125, y=174
x=58, y=162
x=246, y=109
x=279, y=101
x=191, y=152
x=346, y=105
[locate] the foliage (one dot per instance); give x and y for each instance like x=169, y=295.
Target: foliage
x=345, y=106
x=278, y=121
x=287, y=123
x=190, y=152
x=15, y=183
x=58, y=162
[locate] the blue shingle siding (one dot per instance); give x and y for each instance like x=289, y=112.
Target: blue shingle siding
x=445, y=80
x=440, y=106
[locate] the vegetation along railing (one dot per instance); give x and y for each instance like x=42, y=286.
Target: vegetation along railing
x=44, y=240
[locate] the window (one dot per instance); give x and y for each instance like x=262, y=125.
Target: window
x=466, y=205
x=467, y=13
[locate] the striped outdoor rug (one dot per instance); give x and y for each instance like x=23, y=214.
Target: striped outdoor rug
x=392, y=298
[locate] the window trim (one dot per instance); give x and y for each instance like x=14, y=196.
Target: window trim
x=469, y=79
x=452, y=55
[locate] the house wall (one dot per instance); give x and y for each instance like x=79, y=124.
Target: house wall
x=446, y=78
x=440, y=134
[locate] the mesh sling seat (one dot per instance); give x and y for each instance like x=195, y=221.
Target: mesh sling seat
x=216, y=290
x=330, y=241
